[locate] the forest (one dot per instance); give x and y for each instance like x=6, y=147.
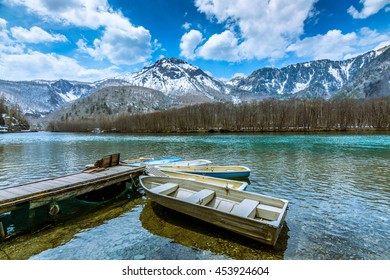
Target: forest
x=258, y=116
x=12, y=117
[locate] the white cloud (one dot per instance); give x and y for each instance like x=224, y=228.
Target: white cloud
x=3, y=31
x=7, y=45
x=3, y=23
x=120, y=43
x=370, y=7
x=120, y=46
x=35, y=35
x=186, y=25
x=220, y=47
x=258, y=29
x=50, y=67
x=189, y=42
x=336, y=46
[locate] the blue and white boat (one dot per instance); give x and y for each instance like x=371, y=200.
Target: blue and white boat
x=152, y=161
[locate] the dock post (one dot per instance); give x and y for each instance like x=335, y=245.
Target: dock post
x=2, y=231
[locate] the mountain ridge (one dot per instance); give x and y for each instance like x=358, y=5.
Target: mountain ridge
x=363, y=76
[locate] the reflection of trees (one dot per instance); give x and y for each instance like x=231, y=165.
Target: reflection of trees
x=266, y=115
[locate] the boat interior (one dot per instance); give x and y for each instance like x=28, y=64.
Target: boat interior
x=247, y=208
x=208, y=168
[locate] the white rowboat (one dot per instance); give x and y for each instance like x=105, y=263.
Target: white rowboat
x=253, y=215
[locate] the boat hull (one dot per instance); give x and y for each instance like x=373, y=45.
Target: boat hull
x=223, y=175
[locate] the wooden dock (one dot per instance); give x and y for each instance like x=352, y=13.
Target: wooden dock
x=104, y=173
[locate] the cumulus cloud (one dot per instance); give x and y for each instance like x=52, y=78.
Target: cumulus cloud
x=336, y=46
x=189, y=42
x=121, y=42
x=35, y=35
x=220, y=47
x=7, y=45
x=19, y=63
x=4, y=33
x=257, y=29
x=50, y=67
x=120, y=46
x=370, y=7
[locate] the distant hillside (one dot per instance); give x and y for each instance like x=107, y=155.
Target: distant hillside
x=113, y=101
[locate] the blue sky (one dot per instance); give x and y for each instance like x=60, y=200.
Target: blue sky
x=88, y=40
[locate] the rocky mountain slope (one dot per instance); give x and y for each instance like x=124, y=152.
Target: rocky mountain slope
x=315, y=79
x=39, y=98
x=370, y=81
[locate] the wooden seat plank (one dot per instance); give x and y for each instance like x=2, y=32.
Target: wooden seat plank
x=165, y=188
x=202, y=197
x=246, y=208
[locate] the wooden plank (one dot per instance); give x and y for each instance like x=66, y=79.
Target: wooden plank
x=246, y=208
x=70, y=180
x=202, y=197
x=39, y=186
x=115, y=158
x=166, y=188
x=18, y=191
x=58, y=183
x=84, y=176
x=6, y=195
x=106, y=161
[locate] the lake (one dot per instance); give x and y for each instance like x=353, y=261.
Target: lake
x=338, y=187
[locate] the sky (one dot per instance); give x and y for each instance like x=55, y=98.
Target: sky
x=90, y=40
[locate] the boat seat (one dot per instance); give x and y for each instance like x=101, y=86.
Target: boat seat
x=202, y=197
x=268, y=212
x=166, y=188
x=246, y=208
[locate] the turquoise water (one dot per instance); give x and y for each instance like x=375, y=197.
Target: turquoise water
x=338, y=185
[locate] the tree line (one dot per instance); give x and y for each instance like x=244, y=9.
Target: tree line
x=12, y=116
x=256, y=116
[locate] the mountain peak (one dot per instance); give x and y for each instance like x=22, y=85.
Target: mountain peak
x=172, y=60
x=174, y=76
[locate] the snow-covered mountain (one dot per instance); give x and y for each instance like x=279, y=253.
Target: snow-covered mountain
x=373, y=80
x=39, y=98
x=175, y=77
x=315, y=79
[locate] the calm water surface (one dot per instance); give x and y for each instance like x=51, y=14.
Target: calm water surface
x=338, y=185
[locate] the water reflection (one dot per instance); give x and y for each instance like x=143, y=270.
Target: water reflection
x=199, y=235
